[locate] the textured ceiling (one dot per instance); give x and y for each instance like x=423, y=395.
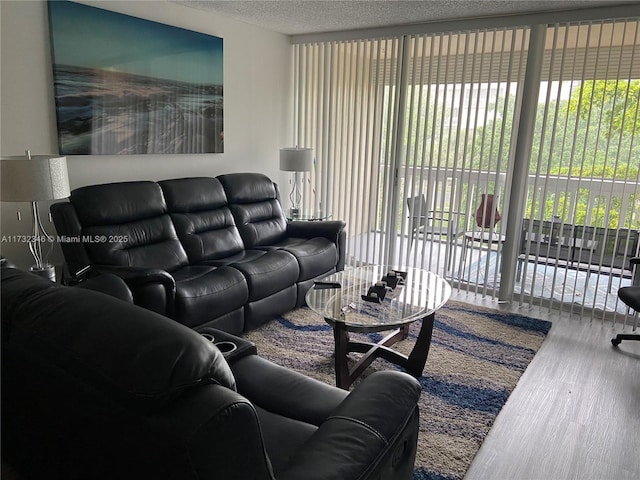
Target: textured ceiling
x=294, y=17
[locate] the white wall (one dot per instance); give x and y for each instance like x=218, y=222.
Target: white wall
x=256, y=104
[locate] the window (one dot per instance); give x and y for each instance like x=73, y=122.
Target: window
x=439, y=116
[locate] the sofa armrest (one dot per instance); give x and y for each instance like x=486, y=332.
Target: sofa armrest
x=140, y=280
x=109, y=284
x=372, y=434
x=216, y=433
x=333, y=230
x=243, y=349
x=307, y=229
x=137, y=276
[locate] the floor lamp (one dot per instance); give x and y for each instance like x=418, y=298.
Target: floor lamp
x=296, y=160
x=31, y=179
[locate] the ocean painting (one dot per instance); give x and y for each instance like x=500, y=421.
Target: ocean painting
x=125, y=86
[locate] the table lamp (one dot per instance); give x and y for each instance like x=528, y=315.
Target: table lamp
x=296, y=160
x=31, y=179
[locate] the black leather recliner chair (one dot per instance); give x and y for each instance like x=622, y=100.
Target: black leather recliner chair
x=97, y=388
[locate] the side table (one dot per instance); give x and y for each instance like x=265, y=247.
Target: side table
x=315, y=216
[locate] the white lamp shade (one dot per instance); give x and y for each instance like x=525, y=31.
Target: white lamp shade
x=296, y=159
x=44, y=177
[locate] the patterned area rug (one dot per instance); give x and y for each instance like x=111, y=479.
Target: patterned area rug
x=476, y=358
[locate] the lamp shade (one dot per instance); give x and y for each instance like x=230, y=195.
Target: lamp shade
x=296, y=159
x=43, y=177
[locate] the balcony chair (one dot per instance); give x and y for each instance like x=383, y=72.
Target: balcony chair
x=433, y=223
x=630, y=296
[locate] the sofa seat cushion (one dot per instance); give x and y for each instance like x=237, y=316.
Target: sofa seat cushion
x=283, y=243
x=242, y=257
x=270, y=273
x=315, y=256
x=285, y=392
x=204, y=293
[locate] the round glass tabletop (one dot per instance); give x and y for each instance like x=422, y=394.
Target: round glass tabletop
x=420, y=294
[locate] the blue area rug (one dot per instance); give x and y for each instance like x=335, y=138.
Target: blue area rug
x=477, y=356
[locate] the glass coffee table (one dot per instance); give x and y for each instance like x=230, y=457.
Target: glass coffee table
x=339, y=300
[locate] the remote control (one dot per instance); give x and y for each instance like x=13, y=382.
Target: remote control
x=319, y=284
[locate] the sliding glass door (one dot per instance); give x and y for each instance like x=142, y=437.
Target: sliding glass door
x=433, y=151
x=459, y=111
x=409, y=134
x=584, y=176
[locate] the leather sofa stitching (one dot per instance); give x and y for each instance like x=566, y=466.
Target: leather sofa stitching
x=314, y=254
x=361, y=423
x=267, y=272
x=211, y=293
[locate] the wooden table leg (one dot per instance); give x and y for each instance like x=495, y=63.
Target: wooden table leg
x=418, y=356
x=414, y=363
x=341, y=340
x=404, y=331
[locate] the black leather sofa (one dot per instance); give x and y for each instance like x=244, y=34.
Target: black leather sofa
x=204, y=251
x=97, y=388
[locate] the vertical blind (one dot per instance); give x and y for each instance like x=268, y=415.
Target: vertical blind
x=410, y=132
x=460, y=110
x=345, y=109
x=391, y=119
x=584, y=167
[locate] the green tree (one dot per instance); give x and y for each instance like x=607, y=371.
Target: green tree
x=615, y=101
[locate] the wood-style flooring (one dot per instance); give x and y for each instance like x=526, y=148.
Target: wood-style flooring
x=575, y=414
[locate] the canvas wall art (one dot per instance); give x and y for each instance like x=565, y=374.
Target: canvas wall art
x=125, y=85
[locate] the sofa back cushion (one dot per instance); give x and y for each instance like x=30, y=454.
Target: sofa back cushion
x=127, y=224
x=202, y=218
x=254, y=203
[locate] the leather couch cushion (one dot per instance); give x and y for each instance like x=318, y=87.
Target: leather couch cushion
x=127, y=224
x=114, y=203
x=248, y=187
x=208, y=236
x=253, y=200
x=285, y=392
x=269, y=274
x=315, y=256
x=203, y=293
x=108, y=284
x=151, y=243
x=196, y=194
x=203, y=221
x=241, y=257
x=142, y=358
x=260, y=223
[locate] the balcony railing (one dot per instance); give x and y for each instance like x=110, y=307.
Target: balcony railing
x=598, y=202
